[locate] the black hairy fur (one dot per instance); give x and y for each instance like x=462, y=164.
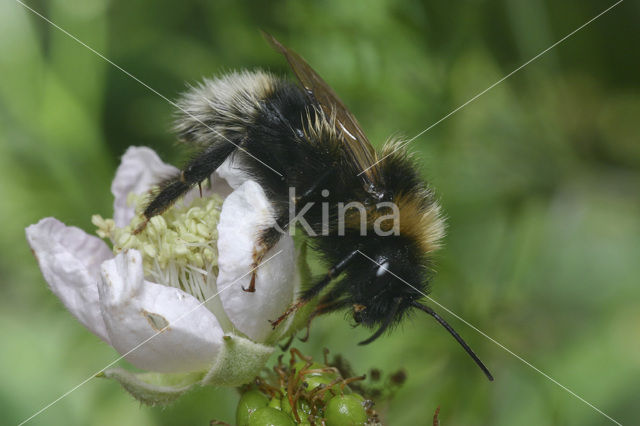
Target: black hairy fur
x=282, y=128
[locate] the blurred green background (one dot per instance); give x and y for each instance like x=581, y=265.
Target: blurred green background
x=539, y=179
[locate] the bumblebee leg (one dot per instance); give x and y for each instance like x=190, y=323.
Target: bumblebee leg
x=324, y=308
x=258, y=254
x=330, y=302
x=198, y=169
x=316, y=289
x=271, y=236
x=314, y=187
x=291, y=309
x=267, y=239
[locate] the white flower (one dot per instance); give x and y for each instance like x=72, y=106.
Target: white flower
x=147, y=300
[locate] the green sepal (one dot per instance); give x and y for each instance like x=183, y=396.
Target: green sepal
x=239, y=362
x=153, y=388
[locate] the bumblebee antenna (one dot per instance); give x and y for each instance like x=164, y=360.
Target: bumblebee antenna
x=455, y=336
x=386, y=324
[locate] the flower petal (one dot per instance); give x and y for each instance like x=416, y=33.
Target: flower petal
x=70, y=262
x=231, y=171
x=139, y=170
x=157, y=328
x=244, y=213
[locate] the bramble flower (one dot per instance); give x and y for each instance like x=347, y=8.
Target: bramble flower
x=170, y=298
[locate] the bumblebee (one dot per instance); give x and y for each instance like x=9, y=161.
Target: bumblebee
x=302, y=140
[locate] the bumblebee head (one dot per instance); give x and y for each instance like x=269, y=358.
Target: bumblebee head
x=386, y=276
x=390, y=286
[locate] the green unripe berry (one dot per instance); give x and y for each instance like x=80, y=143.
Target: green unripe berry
x=345, y=410
x=268, y=416
x=320, y=380
x=314, y=379
x=303, y=407
x=249, y=402
x=275, y=403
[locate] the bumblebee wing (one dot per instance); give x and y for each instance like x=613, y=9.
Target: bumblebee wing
x=356, y=144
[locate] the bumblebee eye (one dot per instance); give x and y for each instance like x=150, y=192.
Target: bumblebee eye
x=382, y=269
